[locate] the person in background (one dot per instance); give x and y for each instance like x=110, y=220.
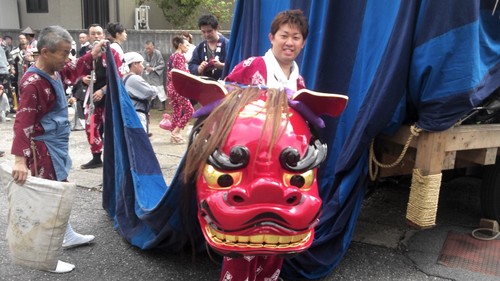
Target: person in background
x=182, y=110
x=96, y=34
x=84, y=44
x=18, y=54
x=276, y=69
x=118, y=36
x=7, y=42
x=77, y=99
x=4, y=105
x=6, y=69
x=21, y=52
x=85, y=65
x=191, y=46
x=38, y=145
x=73, y=53
x=140, y=92
x=8, y=47
x=30, y=36
x=154, y=65
x=209, y=56
x=29, y=57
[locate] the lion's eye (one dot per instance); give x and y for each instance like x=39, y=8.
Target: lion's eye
x=220, y=180
x=297, y=180
x=302, y=181
x=225, y=180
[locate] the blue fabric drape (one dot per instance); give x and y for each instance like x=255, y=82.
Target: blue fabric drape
x=439, y=58
x=146, y=212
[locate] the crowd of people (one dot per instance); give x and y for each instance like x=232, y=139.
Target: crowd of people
x=14, y=61
x=206, y=59
x=39, y=66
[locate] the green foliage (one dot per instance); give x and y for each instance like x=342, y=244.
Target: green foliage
x=179, y=12
x=220, y=9
x=185, y=13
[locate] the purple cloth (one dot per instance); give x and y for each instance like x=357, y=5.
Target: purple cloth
x=301, y=108
x=304, y=110
x=206, y=109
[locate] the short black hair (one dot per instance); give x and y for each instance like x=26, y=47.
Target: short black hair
x=93, y=25
x=208, y=19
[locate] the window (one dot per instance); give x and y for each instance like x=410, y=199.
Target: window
x=37, y=6
x=95, y=11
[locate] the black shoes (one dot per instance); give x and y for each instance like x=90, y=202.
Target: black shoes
x=92, y=164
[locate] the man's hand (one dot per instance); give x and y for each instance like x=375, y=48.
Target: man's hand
x=20, y=170
x=97, y=96
x=218, y=64
x=97, y=49
x=201, y=67
x=86, y=79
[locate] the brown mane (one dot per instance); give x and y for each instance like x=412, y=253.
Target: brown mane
x=217, y=126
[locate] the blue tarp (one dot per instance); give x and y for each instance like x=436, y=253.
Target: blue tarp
x=437, y=59
x=145, y=210
x=433, y=59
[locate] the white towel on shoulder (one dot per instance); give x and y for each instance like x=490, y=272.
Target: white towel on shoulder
x=276, y=77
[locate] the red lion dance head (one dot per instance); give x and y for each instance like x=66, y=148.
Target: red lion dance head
x=255, y=161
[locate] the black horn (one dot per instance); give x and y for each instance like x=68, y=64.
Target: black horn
x=315, y=155
x=238, y=158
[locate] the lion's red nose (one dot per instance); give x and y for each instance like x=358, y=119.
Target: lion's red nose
x=264, y=191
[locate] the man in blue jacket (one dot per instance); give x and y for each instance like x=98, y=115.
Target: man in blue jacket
x=209, y=56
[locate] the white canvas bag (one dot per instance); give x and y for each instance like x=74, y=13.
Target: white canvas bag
x=37, y=218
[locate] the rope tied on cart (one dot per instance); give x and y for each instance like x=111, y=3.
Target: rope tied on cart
x=488, y=230
x=422, y=205
x=374, y=164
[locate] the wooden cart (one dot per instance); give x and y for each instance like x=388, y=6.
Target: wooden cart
x=430, y=153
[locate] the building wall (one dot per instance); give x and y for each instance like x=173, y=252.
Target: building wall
x=66, y=13
x=9, y=17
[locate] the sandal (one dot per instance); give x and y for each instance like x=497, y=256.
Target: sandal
x=174, y=138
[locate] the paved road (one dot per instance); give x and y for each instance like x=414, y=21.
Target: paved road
x=383, y=248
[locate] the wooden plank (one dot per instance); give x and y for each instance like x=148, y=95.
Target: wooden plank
x=485, y=156
x=462, y=137
x=472, y=137
x=449, y=160
x=430, y=152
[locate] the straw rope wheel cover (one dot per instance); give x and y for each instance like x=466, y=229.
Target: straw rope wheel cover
x=424, y=197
